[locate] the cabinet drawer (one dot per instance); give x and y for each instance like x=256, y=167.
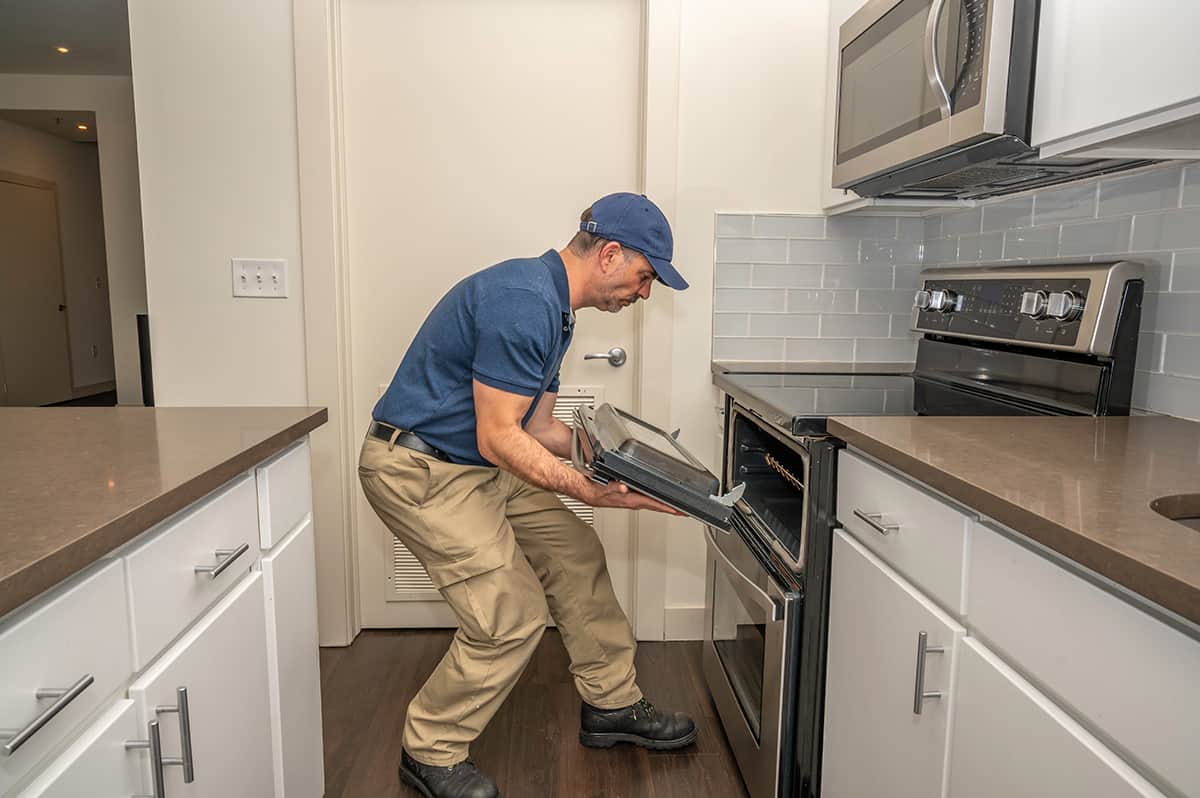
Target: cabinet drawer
x=80, y=631
x=284, y=493
x=1125, y=673
x=925, y=537
x=1009, y=739
x=166, y=591
x=98, y=763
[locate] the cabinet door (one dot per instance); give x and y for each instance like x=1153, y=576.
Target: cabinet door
x=222, y=661
x=876, y=743
x=1009, y=739
x=289, y=576
x=97, y=763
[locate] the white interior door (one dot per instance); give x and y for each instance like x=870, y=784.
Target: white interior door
x=36, y=362
x=477, y=131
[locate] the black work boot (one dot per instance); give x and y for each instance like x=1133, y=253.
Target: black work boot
x=640, y=724
x=461, y=780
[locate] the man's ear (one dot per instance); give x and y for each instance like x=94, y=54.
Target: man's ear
x=609, y=254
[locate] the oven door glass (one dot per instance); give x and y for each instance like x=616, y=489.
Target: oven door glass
x=739, y=635
x=888, y=85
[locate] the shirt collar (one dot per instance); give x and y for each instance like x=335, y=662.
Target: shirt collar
x=558, y=272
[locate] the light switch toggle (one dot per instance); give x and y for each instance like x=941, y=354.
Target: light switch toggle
x=260, y=277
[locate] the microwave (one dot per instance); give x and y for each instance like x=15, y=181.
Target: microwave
x=934, y=99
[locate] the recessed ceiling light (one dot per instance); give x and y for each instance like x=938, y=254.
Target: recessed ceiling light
x=62, y=50
x=82, y=126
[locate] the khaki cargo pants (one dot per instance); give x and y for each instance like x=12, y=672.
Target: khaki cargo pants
x=506, y=556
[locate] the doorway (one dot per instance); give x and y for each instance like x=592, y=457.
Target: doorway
x=476, y=132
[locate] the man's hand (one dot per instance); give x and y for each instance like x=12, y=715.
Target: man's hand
x=618, y=494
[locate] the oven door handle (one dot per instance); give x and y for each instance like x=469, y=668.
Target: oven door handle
x=752, y=591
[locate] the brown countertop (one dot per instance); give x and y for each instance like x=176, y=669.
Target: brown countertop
x=1080, y=486
x=77, y=482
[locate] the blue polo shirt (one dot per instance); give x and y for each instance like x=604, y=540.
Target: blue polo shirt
x=507, y=326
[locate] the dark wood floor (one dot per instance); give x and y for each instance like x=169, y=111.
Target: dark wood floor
x=531, y=748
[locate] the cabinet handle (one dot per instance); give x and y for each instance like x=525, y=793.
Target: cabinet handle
x=875, y=521
x=919, y=692
x=153, y=742
x=185, y=732
x=225, y=558
x=15, y=738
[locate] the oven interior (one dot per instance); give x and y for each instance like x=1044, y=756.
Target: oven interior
x=775, y=476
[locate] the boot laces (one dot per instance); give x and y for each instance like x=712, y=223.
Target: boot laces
x=646, y=707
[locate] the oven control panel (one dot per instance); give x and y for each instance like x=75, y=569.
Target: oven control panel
x=1031, y=310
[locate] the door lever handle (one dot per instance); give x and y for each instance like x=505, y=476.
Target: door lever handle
x=614, y=356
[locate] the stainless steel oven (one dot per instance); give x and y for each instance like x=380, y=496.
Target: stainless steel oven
x=933, y=101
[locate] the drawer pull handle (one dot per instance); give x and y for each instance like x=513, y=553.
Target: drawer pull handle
x=919, y=691
x=225, y=558
x=875, y=521
x=14, y=739
x=158, y=762
x=185, y=732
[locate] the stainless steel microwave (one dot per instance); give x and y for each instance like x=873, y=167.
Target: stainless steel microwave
x=934, y=100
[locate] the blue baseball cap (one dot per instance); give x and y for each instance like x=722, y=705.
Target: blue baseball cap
x=635, y=222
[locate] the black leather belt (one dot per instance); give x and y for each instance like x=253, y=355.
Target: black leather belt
x=409, y=440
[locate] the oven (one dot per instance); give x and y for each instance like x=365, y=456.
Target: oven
x=766, y=590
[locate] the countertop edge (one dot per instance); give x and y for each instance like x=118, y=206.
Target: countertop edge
x=1175, y=595
x=39, y=576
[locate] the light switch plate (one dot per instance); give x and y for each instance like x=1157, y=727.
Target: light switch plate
x=260, y=277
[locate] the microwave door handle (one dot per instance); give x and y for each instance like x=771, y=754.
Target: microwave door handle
x=933, y=70
x=739, y=579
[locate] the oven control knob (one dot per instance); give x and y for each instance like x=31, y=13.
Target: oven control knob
x=921, y=300
x=943, y=300
x=1033, y=304
x=1064, y=306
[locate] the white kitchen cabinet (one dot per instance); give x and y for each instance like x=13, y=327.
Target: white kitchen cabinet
x=289, y=579
x=875, y=741
x=97, y=764
x=1118, y=79
x=222, y=662
x=1008, y=739
x=284, y=493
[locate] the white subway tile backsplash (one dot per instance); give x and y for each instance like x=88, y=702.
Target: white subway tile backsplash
x=1172, y=313
x=932, y=226
x=980, y=247
x=857, y=277
x=959, y=222
x=1167, y=393
x=727, y=325
x=1031, y=243
x=1191, y=185
x=1182, y=356
x=902, y=326
x=889, y=252
x=790, y=276
x=1090, y=238
x=824, y=301
x=1150, y=351
x=1185, y=276
x=855, y=325
x=752, y=250
x=731, y=275
x=748, y=299
x=734, y=224
x=856, y=227
x=1009, y=213
x=785, y=325
x=941, y=251
x=1157, y=265
x=908, y=276
x=1065, y=204
x=1148, y=191
x=885, y=301
x=911, y=229
x=819, y=350
x=1179, y=229
x=789, y=226
x=890, y=350
x=806, y=250
x=758, y=349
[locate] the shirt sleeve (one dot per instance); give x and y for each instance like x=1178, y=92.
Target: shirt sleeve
x=515, y=334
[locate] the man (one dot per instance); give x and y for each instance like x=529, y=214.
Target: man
x=462, y=464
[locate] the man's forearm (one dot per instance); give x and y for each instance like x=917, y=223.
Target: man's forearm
x=518, y=452
x=555, y=436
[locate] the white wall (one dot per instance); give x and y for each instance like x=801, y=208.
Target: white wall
x=112, y=100
x=751, y=124
x=75, y=170
x=214, y=84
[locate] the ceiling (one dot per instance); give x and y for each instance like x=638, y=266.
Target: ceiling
x=56, y=123
x=95, y=31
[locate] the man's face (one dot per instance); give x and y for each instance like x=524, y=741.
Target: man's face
x=627, y=276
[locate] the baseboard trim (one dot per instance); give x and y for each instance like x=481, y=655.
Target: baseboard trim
x=683, y=623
